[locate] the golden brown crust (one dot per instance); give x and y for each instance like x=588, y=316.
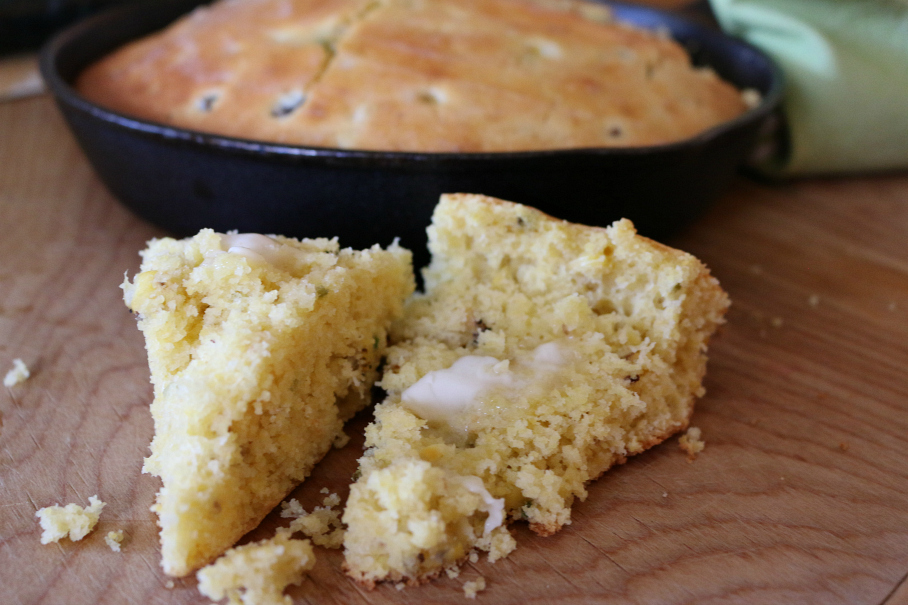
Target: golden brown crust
x=416, y=75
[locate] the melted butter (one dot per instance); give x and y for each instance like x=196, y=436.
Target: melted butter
x=261, y=249
x=455, y=398
x=494, y=507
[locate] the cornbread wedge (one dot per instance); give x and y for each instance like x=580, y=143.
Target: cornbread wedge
x=260, y=348
x=541, y=354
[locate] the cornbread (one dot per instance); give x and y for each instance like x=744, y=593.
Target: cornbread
x=415, y=75
x=474, y=587
x=541, y=354
x=114, y=540
x=322, y=525
x=260, y=348
x=71, y=521
x=258, y=573
x=691, y=443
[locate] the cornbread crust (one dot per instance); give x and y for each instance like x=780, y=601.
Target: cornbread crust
x=632, y=317
x=255, y=366
x=415, y=75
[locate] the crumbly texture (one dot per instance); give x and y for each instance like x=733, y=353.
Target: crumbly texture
x=256, y=361
x=691, y=443
x=258, y=573
x=17, y=375
x=323, y=525
x=425, y=75
x=71, y=520
x=633, y=318
x=114, y=540
x=474, y=587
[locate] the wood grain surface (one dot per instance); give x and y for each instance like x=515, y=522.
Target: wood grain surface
x=801, y=495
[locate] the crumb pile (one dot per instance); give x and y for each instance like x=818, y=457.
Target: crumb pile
x=72, y=520
x=260, y=348
x=541, y=354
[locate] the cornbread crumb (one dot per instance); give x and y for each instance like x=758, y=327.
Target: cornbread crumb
x=474, y=556
x=400, y=586
x=114, y=539
x=691, y=443
x=541, y=354
x=169, y=584
x=499, y=544
x=260, y=349
x=665, y=494
x=72, y=520
x=322, y=525
x=814, y=300
x=471, y=589
x=452, y=572
x=258, y=573
x=17, y=375
x=341, y=440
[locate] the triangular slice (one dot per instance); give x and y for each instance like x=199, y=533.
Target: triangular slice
x=541, y=354
x=260, y=349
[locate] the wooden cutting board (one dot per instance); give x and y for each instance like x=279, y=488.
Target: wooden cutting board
x=800, y=496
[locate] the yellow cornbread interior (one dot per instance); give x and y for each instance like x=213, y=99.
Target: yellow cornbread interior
x=256, y=365
x=632, y=319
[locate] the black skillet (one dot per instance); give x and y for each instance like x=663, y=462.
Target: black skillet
x=183, y=180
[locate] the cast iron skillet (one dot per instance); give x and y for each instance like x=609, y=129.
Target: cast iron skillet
x=183, y=180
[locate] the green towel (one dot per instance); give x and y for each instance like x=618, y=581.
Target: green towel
x=846, y=73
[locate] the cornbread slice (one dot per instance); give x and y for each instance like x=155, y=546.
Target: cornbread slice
x=260, y=348
x=541, y=354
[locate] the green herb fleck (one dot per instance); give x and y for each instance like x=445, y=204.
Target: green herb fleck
x=321, y=291
x=375, y=342
x=525, y=510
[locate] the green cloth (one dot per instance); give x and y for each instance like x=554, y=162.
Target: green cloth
x=846, y=74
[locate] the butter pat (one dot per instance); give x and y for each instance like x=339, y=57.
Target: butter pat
x=260, y=248
x=446, y=395
x=442, y=394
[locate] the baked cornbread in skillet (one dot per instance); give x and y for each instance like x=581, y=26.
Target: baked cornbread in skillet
x=415, y=75
x=541, y=354
x=260, y=348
